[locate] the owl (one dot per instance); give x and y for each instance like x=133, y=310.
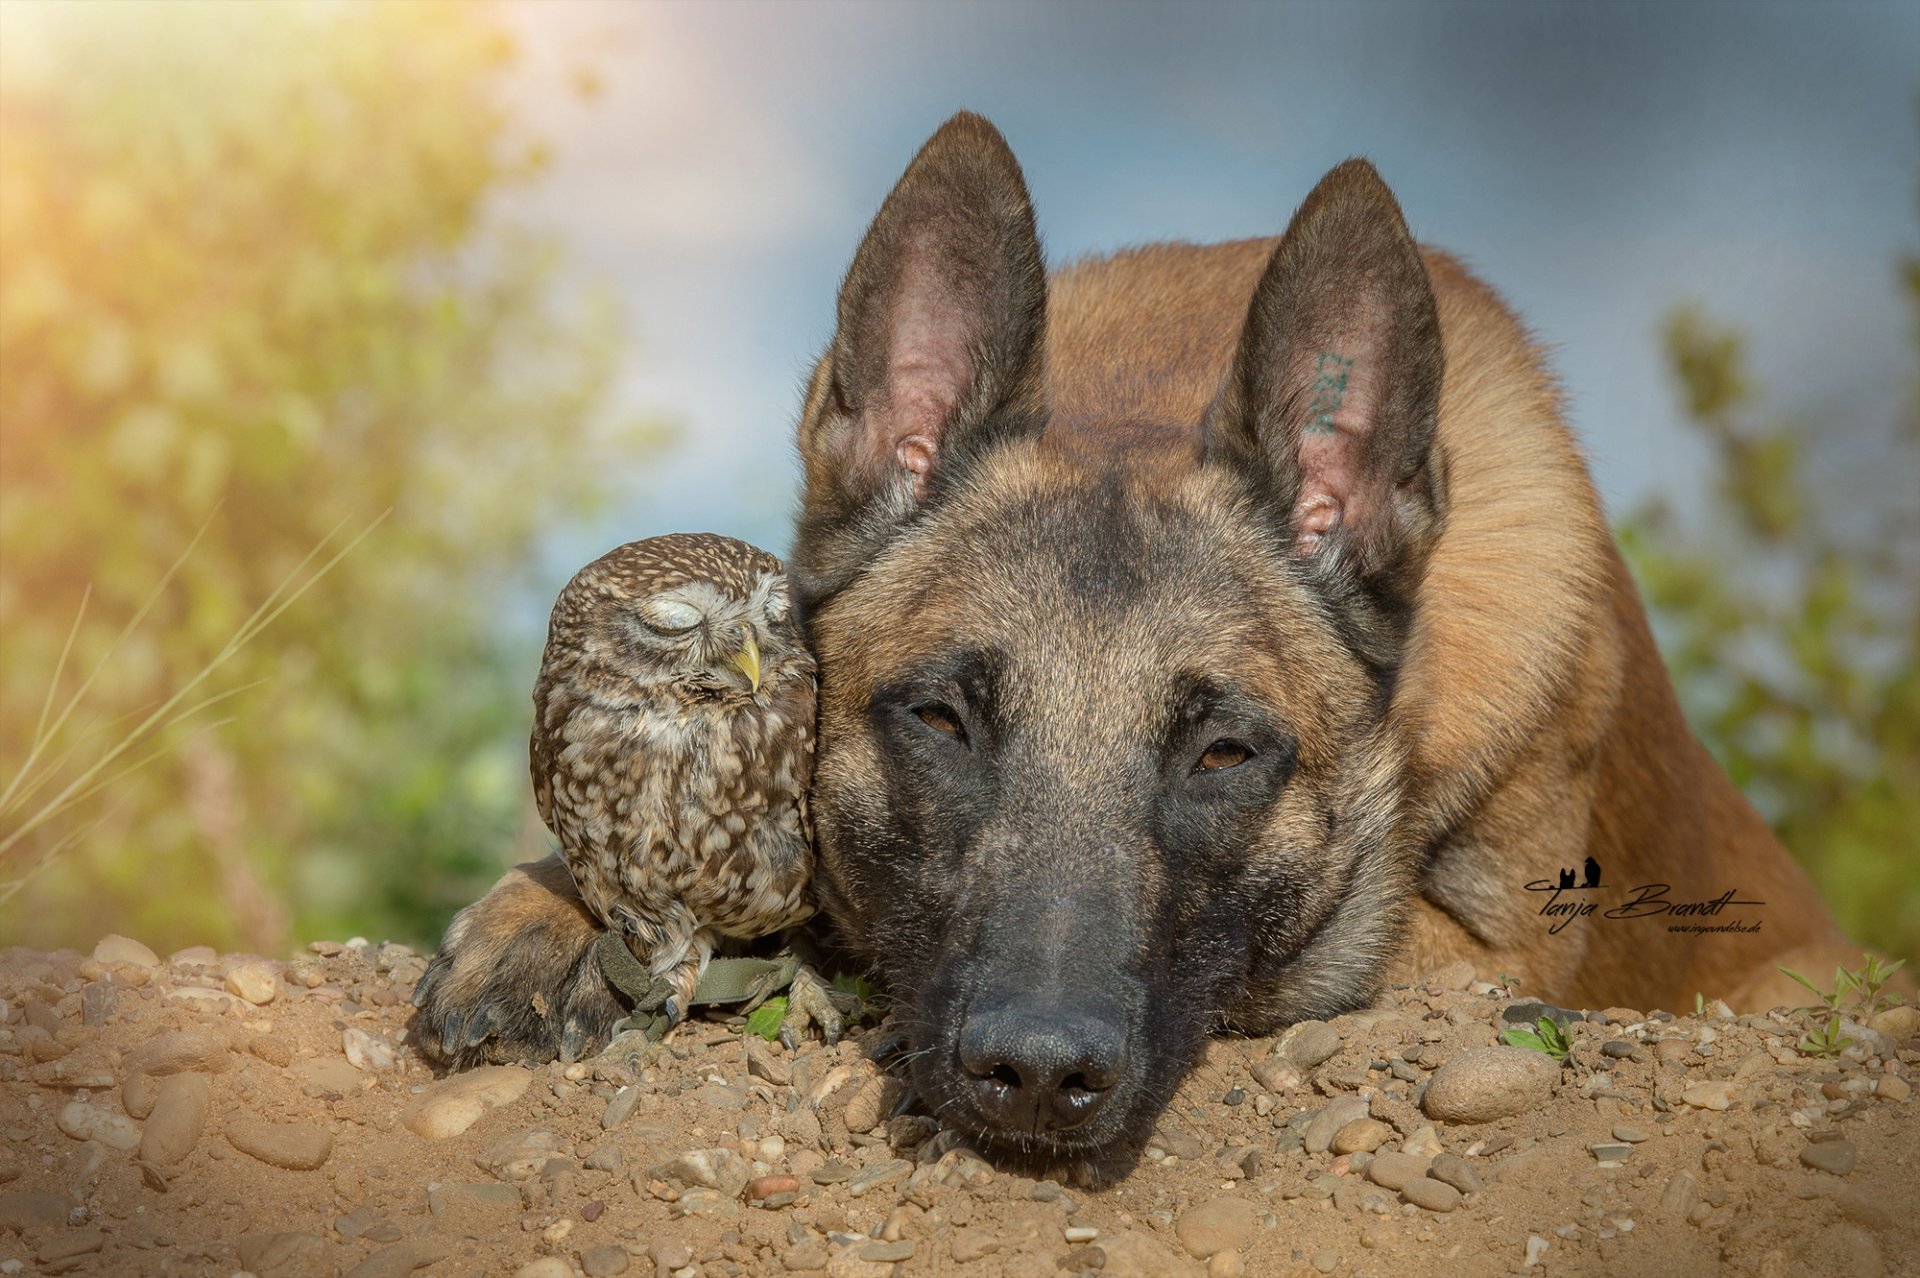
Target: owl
x=672, y=749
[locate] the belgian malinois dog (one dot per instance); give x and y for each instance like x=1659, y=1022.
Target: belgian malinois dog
x=1207, y=635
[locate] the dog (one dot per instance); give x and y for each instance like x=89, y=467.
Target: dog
x=1208, y=635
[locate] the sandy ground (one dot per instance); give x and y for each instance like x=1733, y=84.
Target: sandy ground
x=216, y=1115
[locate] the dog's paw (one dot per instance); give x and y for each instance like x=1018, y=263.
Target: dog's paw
x=516, y=978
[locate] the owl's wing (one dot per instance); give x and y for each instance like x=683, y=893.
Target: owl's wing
x=540, y=761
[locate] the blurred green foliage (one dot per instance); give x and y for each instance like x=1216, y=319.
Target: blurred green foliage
x=1792, y=628
x=249, y=281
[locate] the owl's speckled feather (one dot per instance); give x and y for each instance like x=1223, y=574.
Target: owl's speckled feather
x=672, y=748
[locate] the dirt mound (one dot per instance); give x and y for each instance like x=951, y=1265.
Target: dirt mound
x=213, y=1115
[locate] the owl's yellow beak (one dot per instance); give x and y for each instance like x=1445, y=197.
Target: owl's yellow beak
x=747, y=662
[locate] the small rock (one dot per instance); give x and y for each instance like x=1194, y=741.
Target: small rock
x=1317, y=1136
x=179, y=1115
x=1892, y=1087
x=1483, y=1084
x=1309, y=1043
x=1672, y=1051
x=70, y=1243
x=763, y=1064
x=1424, y=1143
x=969, y=1245
x=1132, y=1254
x=887, y=1253
x=1536, y=1248
x=762, y=1187
x=1216, y=1226
x=1395, y=1171
x=399, y=1260
x=1618, y=1049
x=369, y=1053
x=1611, y=1152
x=1433, y=1195
x=717, y=1169
x=271, y=1050
x=1631, y=1135
x=1897, y=1023
x=545, y=1267
x=83, y=1121
x=1680, y=1196
x=1325, y=1261
x=1276, y=1074
x=20, y=1213
x=294, y=1146
x=183, y=1051
x=1715, y=1095
x=884, y=1172
x=1362, y=1135
x=1451, y=1169
x=620, y=1108
x=868, y=1105
x=604, y=1262
x=452, y=1105
x=255, y=982
x=1836, y=1156
x=521, y=1155
x=114, y=948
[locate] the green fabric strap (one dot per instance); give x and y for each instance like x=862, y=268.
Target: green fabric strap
x=726, y=980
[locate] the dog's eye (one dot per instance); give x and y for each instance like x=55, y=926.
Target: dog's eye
x=941, y=718
x=1224, y=754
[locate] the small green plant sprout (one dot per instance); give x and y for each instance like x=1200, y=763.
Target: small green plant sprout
x=1699, y=1003
x=1865, y=987
x=1826, y=1042
x=1547, y=1036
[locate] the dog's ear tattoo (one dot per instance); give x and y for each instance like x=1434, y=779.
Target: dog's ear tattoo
x=938, y=355
x=1335, y=388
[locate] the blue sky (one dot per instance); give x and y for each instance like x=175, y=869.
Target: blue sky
x=1597, y=163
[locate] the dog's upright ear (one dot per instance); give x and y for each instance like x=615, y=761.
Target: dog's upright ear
x=939, y=353
x=1331, y=404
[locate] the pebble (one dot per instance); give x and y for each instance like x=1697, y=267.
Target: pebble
x=114, y=948
x=1671, y=1051
x=1080, y=1233
x=1618, y=1049
x=1276, y=1074
x=545, y=1267
x=1309, y=1043
x=1216, y=1226
x=521, y=1155
x=1317, y=1136
x=1325, y=1261
x=1836, y=1156
x=179, y=1115
x=1715, y=1095
x=83, y=1121
x=886, y=1253
x=884, y=1172
x=454, y=1104
x=1362, y=1135
x=969, y=1245
x=1536, y=1248
x=183, y=1051
x=23, y=1212
x=1451, y=1169
x=294, y=1146
x=718, y=1169
x=1611, y=1152
x=604, y=1262
x=255, y=982
x=761, y=1187
x=369, y=1053
x=65, y=1246
x=763, y=1064
x=1680, y=1196
x=620, y=1108
x=1629, y=1134
x=1424, y=1143
x=1434, y=1195
x=1395, y=1171
x=1131, y=1254
x=1893, y=1087
x=1898, y=1023
x=1482, y=1084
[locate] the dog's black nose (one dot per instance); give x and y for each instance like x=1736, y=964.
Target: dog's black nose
x=1040, y=1070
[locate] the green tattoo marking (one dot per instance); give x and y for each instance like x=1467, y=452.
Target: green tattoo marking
x=1329, y=388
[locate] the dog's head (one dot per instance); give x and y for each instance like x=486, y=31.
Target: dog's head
x=1103, y=757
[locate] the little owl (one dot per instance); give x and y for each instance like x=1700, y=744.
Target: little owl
x=672, y=748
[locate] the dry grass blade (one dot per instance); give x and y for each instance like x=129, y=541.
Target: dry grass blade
x=164, y=715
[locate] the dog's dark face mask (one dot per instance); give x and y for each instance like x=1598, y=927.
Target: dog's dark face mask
x=1103, y=758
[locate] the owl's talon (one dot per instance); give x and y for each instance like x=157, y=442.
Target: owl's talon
x=810, y=1005
x=674, y=1013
